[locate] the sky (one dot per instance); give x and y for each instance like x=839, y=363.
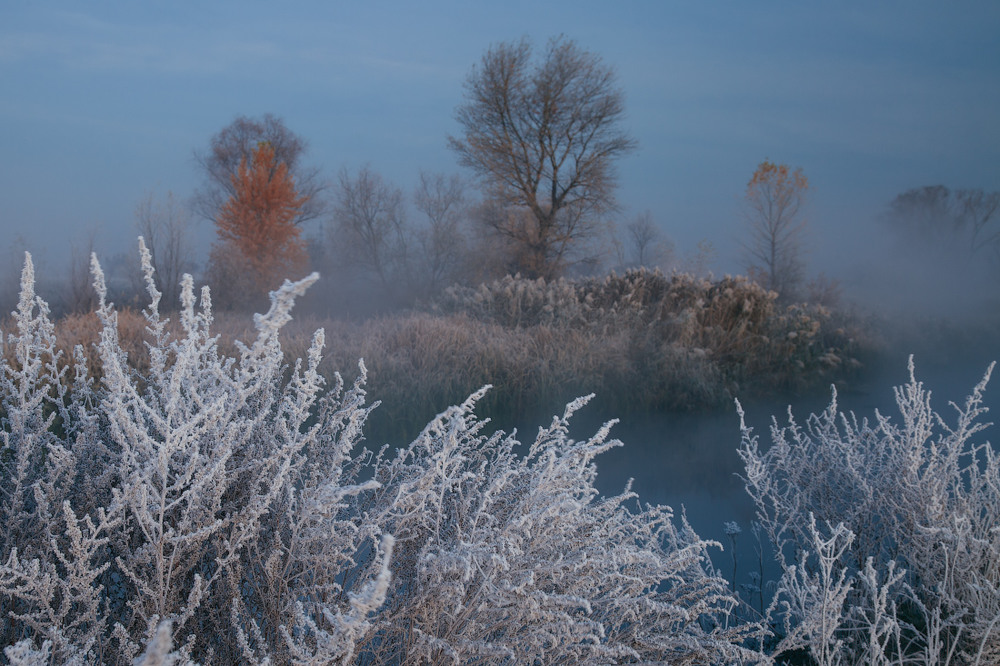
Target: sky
x=104, y=102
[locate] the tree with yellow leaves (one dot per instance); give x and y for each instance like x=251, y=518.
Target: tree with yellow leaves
x=773, y=201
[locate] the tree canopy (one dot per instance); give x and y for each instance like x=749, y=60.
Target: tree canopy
x=257, y=223
x=236, y=142
x=543, y=137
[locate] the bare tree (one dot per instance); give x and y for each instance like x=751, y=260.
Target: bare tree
x=368, y=226
x=642, y=233
x=978, y=210
x=936, y=215
x=236, y=143
x=490, y=255
x=647, y=244
x=543, y=138
x=442, y=201
x=921, y=212
x=698, y=262
x=165, y=227
x=80, y=296
x=773, y=201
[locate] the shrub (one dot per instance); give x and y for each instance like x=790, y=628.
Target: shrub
x=513, y=301
x=219, y=508
x=744, y=337
x=887, y=534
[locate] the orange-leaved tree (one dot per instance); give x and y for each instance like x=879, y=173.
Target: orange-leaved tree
x=774, y=199
x=260, y=243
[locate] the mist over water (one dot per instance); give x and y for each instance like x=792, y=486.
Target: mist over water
x=691, y=463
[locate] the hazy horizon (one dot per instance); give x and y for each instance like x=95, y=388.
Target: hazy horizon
x=106, y=102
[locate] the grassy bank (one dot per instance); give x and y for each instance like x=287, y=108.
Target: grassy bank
x=642, y=341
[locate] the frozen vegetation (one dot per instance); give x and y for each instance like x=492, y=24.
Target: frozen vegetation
x=642, y=341
x=218, y=505
x=887, y=534
x=218, y=509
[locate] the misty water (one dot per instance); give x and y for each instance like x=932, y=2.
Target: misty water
x=690, y=461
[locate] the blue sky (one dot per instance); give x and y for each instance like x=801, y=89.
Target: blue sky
x=105, y=101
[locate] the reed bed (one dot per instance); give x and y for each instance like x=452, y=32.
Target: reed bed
x=642, y=341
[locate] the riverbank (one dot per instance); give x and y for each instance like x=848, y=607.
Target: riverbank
x=643, y=342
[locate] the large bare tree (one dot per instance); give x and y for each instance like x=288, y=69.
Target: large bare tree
x=235, y=143
x=543, y=137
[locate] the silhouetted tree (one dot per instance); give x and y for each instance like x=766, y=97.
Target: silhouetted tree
x=442, y=243
x=699, y=261
x=236, y=142
x=773, y=201
x=543, y=138
x=79, y=294
x=165, y=227
x=369, y=231
x=10, y=273
x=646, y=243
x=937, y=216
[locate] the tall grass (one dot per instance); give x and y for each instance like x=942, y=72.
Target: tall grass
x=692, y=342
x=642, y=341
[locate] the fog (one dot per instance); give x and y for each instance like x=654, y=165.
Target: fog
x=108, y=106
x=105, y=105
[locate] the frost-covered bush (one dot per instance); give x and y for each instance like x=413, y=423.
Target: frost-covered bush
x=888, y=534
x=513, y=301
x=218, y=508
x=732, y=328
x=511, y=558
